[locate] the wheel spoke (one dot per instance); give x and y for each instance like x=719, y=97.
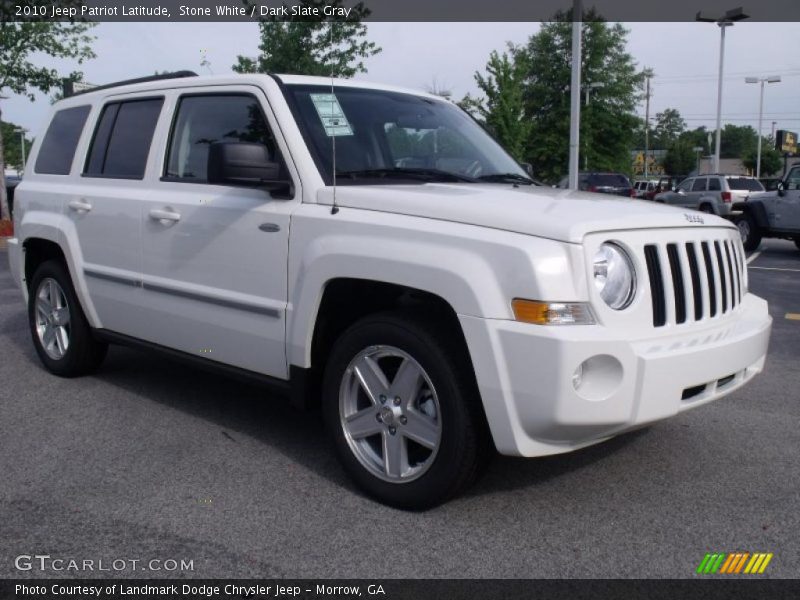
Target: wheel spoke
x=395, y=455
x=49, y=336
x=52, y=293
x=372, y=379
x=363, y=424
x=62, y=339
x=422, y=429
x=407, y=381
x=42, y=310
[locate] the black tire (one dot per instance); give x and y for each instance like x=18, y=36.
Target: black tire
x=83, y=353
x=706, y=208
x=750, y=232
x=464, y=446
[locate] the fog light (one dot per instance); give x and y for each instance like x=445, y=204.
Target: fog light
x=598, y=378
x=577, y=377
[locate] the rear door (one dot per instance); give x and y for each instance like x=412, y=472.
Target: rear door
x=105, y=208
x=214, y=257
x=698, y=190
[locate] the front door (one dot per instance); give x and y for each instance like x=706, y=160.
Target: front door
x=214, y=257
x=788, y=206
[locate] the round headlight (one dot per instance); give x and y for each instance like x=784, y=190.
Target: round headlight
x=614, y=276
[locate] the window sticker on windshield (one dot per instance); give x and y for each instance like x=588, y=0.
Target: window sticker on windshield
x=331, y=114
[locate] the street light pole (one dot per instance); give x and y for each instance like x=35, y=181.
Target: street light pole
x=762, y=81
x=575, y=95
x=725, y=21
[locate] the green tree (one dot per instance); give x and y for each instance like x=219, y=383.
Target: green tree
x=771, y=159
x=23, y=45
x=680, y=158
x=335, y=46
x=737, y=140
x=607, y=123
x=503, y=106
x=669, y=125
x=698, y=138
x=12, y=145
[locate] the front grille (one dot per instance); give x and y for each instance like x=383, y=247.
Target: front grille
x=694, y=280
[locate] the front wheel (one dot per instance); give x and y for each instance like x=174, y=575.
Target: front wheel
x=749, y=232
x=401, y=405
x=61, y=334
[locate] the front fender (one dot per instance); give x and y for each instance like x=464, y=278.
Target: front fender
x=477, y=270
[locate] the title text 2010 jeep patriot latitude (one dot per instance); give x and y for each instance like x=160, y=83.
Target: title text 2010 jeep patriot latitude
x=373, y=250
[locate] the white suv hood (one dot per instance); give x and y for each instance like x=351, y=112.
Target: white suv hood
x=545, y=212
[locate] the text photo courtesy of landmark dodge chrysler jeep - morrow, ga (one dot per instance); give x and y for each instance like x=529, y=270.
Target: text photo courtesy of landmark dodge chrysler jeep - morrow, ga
x=372, y=251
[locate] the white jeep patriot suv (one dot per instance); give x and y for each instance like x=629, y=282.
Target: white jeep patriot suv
x=373, y=251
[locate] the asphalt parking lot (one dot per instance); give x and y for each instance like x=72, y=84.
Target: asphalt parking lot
x=151, y=459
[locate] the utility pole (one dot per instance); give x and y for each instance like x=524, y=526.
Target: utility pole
x=773, y=130
x=648, y=75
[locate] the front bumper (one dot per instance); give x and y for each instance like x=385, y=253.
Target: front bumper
x=525, y=376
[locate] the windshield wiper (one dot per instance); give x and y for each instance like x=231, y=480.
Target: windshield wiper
x=411, y=173
x=507, y=178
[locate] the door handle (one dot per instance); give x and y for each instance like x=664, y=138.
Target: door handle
x=164, y=215
x=80, y=205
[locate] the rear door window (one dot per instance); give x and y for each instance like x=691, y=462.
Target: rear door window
x=713, y=185
x=699, y=184
x=745, y=184
x=61, y=140
x=122, y=139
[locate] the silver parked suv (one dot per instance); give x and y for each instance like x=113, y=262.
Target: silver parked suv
x=711, y=193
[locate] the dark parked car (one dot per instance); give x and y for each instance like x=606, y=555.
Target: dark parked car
x=12, y=181
x=770, y=183
x=602, y=183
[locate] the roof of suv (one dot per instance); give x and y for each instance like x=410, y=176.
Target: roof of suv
x=188, y=79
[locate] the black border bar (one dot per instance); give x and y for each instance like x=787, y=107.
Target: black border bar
x=396, y=10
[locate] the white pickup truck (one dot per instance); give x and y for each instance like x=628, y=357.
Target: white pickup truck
x=372, y=251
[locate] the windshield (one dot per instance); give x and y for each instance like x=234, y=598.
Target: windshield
x=383, y=137
x=743, y=183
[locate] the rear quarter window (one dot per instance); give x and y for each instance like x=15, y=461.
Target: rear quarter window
x=61, y=140
x=743, y=183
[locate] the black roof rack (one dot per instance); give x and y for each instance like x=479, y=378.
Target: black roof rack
x=68, y=92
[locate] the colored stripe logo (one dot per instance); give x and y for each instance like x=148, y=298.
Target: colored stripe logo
x=734, y=563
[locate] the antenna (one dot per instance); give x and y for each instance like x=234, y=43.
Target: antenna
x=334, y=207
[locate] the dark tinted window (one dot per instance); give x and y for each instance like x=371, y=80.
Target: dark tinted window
x=609, y=180
x=744, y=183
x=699, y=184
x=122, y=139
x=713, y=184
x=203, y=120
x=61, y=140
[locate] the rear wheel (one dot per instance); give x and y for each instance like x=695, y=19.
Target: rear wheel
x=749, y=232
x=401, y=406
x=61, y=335
x=706, y=208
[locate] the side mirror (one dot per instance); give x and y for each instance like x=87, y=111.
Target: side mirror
x=528, y=168
x=781, y=189
x=244, y=163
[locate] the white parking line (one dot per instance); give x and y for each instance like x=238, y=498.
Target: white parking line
x=775, y=269
x=753, y=257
